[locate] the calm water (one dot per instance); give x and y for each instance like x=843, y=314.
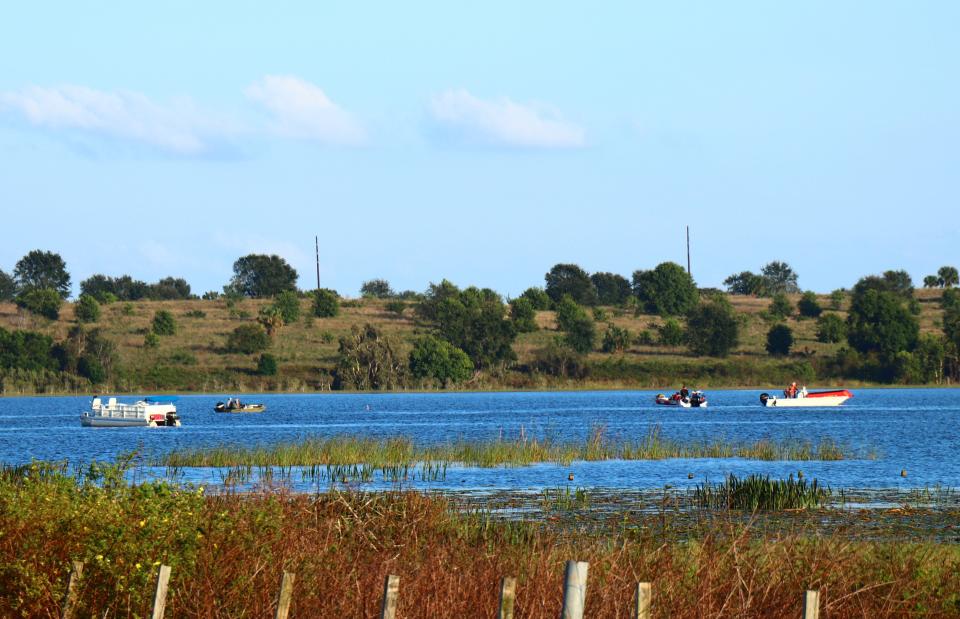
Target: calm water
x=909, y=429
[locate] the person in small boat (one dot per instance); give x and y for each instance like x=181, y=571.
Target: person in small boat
x=684, y=393
x=791, y=391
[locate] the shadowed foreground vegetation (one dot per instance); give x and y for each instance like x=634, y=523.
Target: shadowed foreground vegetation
x=227, y=553
x=401, y=451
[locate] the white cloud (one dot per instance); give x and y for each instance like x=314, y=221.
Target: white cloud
x=302, y=110
x=503, y=121
x=176, y=127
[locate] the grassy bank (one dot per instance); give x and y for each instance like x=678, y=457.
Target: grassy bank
x=227, y=553
x=381, y=453
x=195, y=359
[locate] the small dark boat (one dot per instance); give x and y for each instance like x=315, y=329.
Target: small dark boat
x=234, y=405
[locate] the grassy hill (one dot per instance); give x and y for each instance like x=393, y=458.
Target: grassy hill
x=194, y=359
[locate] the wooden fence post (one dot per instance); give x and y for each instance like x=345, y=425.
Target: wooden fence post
x=286, y=595
x=575, y=590
x=508, y=596
x=644, y=599
x=160, y=597
x=391, y=591
x=811, y=605
x=70, y=601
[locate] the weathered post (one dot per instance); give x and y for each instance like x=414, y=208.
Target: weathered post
x=391, y=592
x=508, y=596
x=575, y=590
x=286, y=595
x=644, y=598
x=71, y=600
x=811, y=605
x=160, y=597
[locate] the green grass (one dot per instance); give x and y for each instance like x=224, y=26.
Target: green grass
x=760, y=492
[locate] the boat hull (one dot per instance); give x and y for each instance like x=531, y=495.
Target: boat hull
x=808, y=402
x=97, y=421
x=245, y=409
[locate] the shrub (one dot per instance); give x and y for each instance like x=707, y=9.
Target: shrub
x=151, y=340
x=779, y=340
x=615, y=339
x=808, y=306
x=396, y=307
x=666, y=290
x=568, y=312
x=107, y=298
x=645, y=337
x=248, y=339
x=581, y=334
x=271, y=318
x=326, y=304
x=369, y=360
x=183, y=357
x=288, y=304
x=439, y=360
x=195, y=314
x=780, y=307
x=831, y=329
x=163, y=323
x=712, y=328
x=600, y=314
x=570, y=280
x=837, y=297
x=326, y=337
x=127, y=309
x=44, y=302
x=559, y=360
x=87, y=309
x=670, y=333
x=538, y=297
x=376, y=288
x=90, y=368
x=267, y=365
x=523, y=315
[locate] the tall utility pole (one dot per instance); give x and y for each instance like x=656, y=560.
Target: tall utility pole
x=688, y=253
x=316, y=241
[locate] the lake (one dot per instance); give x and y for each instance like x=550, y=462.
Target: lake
x=912, y=429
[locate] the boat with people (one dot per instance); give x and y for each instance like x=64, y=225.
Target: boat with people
x=234, y=405
x=795, y=397
x=683, y=398
x=149, y=412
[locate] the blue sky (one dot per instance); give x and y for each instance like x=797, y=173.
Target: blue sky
x=480, y=143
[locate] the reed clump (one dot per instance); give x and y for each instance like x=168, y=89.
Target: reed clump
x=760, y=492
x=401, y=451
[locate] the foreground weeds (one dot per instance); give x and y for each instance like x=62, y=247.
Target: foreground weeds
x=228, y=551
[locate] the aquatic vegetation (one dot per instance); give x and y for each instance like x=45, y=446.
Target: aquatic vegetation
x=760, y=492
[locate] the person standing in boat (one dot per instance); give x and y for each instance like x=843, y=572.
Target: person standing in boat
x=684, y=392
x=791, y=391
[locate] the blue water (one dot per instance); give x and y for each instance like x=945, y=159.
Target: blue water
x=912, y=429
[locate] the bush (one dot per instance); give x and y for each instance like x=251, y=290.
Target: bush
x=570, y=280
x=376, y=288
x=615, y=339
x=808, y=306
x=645, y=337
x=581, y=335
x=537, y=297
x=439, y=360
x=183, y=357
x=712, y=328
x=127, y=309
x=568, y=312
x=523, y=315
x=667, y=290
x=90, y=368
x=195, y=314
x=561, y=361
x=44, y=302
x=163, y=323
x=670, y=333
x=396, y=307
x=780, y=307
x=326, y=304
x=837, y=297
x=267, y=365
x=151, y=340
x=600, y=314
x=369, y=360
x=831, y=329
x=288, y=304
x=779, y=340
x=86, y=309
x=326, y=337
x=248, y=339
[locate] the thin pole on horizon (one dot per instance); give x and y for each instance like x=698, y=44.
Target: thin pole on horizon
x=688, y=251
x=316, y=241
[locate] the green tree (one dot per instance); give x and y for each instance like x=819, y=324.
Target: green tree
x=86, y=309
x=670, y=333
x=271, y=318
x=931, y=281
x=615, y=339
x=267, y=365
x=26, y=350
x=667, y=290
x=538, y=298
x=436, y=295
x=523, y=315
x=568, y=312
x=169, y=289
x=879, y=321
x=258, y=275
x=837, y=298
x=326, y=303
x=612, y=288
x=779, y=277
x=163, y=323
x=8, y=287
x=248, y=339
x=899, y=283
x=570, y=279
x=125, y=288
x=41, y=301
x=779, y=340
x=581, y=335
x=948, y=276
x=369, y=360
x=831, y=329
x=439, y=360
x=151, y=340
x=376, y=288
x=747, y=283
x=475, y=321
x=780, y=307
x=712, y=328
x=40, y=270
x=808, y=306
x=556, y=359
x=288, y=303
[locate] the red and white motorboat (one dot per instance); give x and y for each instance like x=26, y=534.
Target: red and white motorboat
x=811, y=399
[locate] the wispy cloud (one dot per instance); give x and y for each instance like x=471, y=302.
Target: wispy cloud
x=503, y=122
x=302, y=110
x=177, y=126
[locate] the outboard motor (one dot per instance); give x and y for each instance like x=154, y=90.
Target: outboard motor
x=172, y=419
x=763, y=398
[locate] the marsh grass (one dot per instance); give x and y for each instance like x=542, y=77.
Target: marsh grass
x=760, y=492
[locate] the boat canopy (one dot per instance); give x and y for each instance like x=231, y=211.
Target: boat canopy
x=160, y=399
